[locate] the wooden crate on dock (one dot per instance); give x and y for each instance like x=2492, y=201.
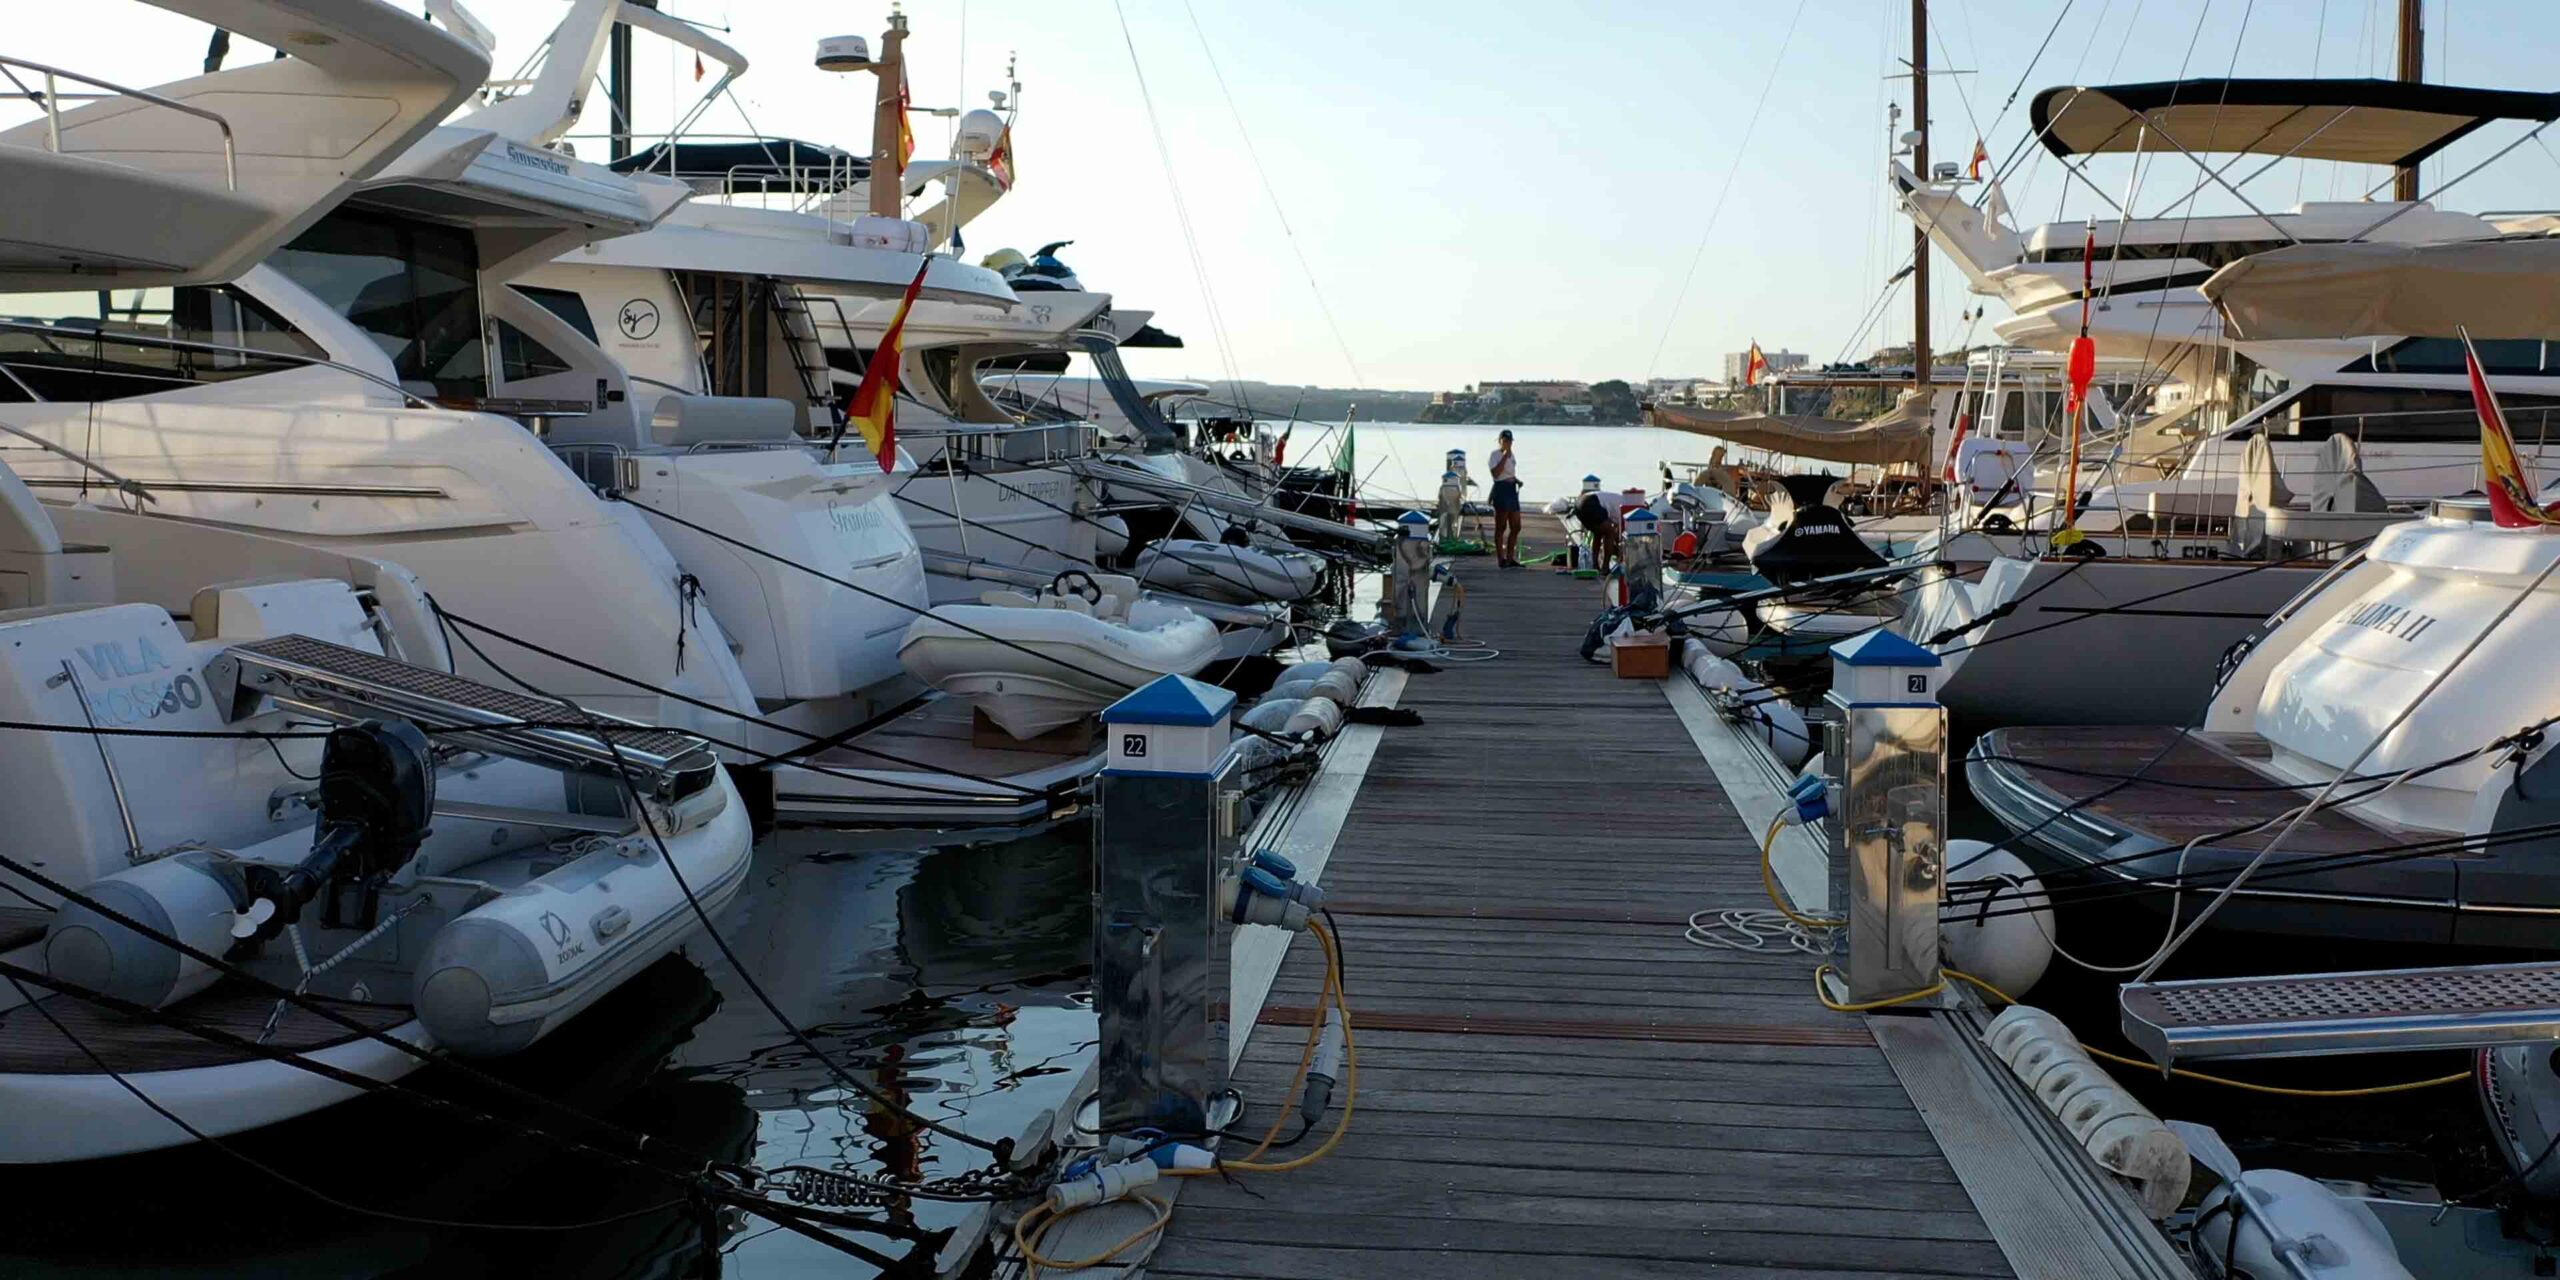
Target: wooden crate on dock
x=1642, y=656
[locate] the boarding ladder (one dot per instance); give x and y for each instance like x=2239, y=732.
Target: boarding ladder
x=796, y=313
x=339, y=685
x=2373, y=1011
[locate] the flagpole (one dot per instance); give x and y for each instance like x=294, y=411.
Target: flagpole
x=888, y=121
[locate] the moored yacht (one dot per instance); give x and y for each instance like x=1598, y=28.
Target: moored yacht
x=2404, y=691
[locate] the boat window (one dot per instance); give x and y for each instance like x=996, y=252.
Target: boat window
x=567, y=305
x=2444, y=355
x=520, y=357
x=2215, y=253
x=102, y=344
x=412, y=287
x=2406, y=415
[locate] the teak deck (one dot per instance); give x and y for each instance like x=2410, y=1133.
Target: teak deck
x=1553, y=1082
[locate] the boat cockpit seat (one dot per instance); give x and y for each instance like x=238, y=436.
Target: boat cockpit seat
x=2343, y=487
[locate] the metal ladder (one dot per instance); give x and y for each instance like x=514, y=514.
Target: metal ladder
x=334, y=683
x=2373, y=1011
x=817, y=381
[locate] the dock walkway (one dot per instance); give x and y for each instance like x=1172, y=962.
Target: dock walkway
x=1553, y=1082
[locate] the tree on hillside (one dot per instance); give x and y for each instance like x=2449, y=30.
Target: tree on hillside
x=1614, y=402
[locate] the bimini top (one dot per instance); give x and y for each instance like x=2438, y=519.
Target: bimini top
x=753, y=165
x=2492, y=288
x=2358, y=121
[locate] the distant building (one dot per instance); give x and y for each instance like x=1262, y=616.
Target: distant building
x=1541, y=392
x=1737, y=362
x=1455, y=401
x=1576, y=409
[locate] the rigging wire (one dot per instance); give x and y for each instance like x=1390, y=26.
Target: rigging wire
x=1286, y=231
x=1741, y=150
x=1182, y=213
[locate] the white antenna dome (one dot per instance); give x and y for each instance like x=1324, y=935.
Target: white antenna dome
x=844, y=53
x=977, y=134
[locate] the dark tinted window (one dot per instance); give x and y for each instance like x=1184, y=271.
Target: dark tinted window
x=109, y=344
x=413, y=287
x=2409, y=415
x=564, y=304
x=2444, y=355
x=2218, y=253
x=520, y=357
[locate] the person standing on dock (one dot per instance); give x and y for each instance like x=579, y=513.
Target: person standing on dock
x=1506, y=504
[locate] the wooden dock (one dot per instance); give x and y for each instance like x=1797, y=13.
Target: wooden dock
x=1554, y=1083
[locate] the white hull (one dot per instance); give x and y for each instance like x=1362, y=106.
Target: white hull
x=1047, y=667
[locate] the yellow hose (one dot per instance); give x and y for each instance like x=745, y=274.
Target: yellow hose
x=1350, y=1067
x=1030, y=1229
x=1778, y=899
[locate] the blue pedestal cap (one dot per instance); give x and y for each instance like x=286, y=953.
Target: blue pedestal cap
x=1414, y=524
x=1172, y=700
x=1882, y=649
x=1641, y=522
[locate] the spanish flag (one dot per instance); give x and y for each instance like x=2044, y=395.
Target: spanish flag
x=1755, y=366
x=2512, y=501
x=1981, y=157
x=906, y=127
x=1000, y=160
x=874, y=407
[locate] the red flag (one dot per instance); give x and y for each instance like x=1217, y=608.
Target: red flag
x=875, y=401
x=1000, y=160
x=1981, y=157
x=1755, y=366
x=697, y=66
x=906, y=129
x=2503, y=471
x=1964, y=424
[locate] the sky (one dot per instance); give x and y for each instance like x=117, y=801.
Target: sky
x=1429, y=193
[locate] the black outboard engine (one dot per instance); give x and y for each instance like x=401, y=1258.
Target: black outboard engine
x=1815, y=540
x=377, y=791
x=377, y=797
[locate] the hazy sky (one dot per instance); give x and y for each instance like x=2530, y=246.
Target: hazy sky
x=1488, y=189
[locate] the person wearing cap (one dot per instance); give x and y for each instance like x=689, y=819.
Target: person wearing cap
x=1506, y=503
x=1596, y=517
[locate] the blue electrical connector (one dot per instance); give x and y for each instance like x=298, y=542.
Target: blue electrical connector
x=1811, y=797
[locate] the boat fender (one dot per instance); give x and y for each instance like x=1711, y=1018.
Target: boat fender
x=1353, y=669
x=2117, y=1131
x=1321, y=716
x=193, y=897
x=1768, y=719
x=2274, y=1222
x=1993, y=935
x=1305, y=671
x=1270, y=713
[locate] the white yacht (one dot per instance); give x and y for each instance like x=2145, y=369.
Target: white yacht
x=2191, y=530
x=468, y=891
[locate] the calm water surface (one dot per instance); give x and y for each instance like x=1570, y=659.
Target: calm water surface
x=952, y=977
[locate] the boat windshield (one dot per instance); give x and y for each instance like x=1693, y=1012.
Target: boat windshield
x=111, y=344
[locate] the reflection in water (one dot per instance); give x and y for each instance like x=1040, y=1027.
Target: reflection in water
x=950, y=978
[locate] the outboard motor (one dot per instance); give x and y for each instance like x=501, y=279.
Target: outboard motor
x=1813, y=539
x=377, y=797
x=377, y=792
x=2520, y=1098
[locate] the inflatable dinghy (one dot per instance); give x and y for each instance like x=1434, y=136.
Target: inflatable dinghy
x=1034, y=663
x=1224, y=571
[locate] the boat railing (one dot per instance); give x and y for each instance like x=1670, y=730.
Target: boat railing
x=810, y=173
x=51, y=99
x=49, y=335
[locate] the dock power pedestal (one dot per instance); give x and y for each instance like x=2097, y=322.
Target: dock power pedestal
x=1165, y=865
x=1885, y=753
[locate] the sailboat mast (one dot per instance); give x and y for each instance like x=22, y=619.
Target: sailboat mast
x=2413, y=69
x=1920, y=164
x=888, y=120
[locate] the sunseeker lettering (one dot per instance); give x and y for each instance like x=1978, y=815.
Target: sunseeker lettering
x=2389, y=619
x=536, y=160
